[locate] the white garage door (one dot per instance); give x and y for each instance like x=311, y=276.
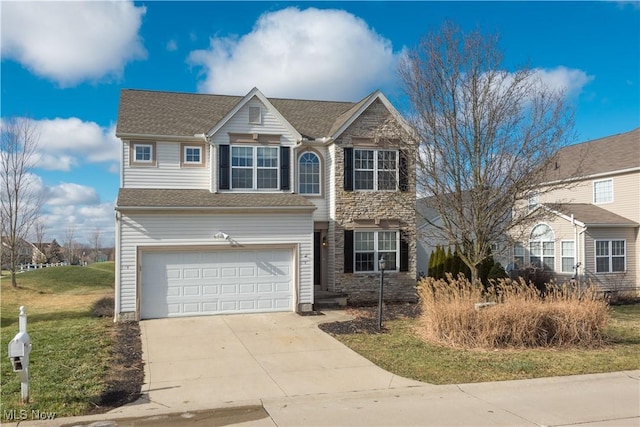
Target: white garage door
x=184, y=283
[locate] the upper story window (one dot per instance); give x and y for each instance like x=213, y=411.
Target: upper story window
x=610, y=256
x=534, y=201
x=143, y=153
x=309, y=174
x=192, y=155
x=542, y=247
x=375, y=169
x=255, y=115
x=254, y=167
x=603, y=191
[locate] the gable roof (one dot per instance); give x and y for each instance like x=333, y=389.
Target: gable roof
x=144, y=112
x=599, y=156
x=592, y=215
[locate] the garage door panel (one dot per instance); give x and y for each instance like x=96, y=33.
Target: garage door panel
x=193, y=283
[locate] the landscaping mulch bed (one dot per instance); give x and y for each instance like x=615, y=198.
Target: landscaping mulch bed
x=125, y=377
x=366, y=318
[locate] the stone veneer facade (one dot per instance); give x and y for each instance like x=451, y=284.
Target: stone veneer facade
x=353, y=210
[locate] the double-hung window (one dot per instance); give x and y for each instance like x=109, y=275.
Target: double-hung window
x=567, y=247
x=375, y=169
x=369, y=246
x=518, y=255
x=610, y=256
x=254, y=167
x=603, y=191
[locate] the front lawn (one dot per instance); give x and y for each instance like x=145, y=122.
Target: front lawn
x=401, y=351
x=71, y=353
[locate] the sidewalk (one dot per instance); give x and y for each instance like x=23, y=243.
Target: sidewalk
x=607, y=400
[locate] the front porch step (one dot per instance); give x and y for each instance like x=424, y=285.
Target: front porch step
x=328, y=300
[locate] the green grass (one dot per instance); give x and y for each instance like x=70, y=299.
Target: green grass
x=71, y=347
x=404, y=353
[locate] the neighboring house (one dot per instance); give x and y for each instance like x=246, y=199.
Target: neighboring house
x=234, y=204
x=28, y=253
x=592, y=230
x=430, y=235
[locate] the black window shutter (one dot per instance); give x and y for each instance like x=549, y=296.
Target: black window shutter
x=404, y=252
x=348, y=169
x=285, y=167
x=403, y=179
x=348, y=251
x=223, y=166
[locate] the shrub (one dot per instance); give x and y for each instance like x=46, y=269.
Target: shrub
x=567, y=315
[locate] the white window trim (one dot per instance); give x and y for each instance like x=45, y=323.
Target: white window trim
x=319, y=193
x=152, y=154
x=594, y=191
x=259, y=118
x=610, y=256
x=254, y=167
x=573, y=264
x=376, y=253
x=375, y=169
x=542, y=242
x=185, y=162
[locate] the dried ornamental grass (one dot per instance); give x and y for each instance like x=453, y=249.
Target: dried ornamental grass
x=521, y=317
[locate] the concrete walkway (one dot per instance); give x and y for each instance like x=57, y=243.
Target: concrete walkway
x=281, y=370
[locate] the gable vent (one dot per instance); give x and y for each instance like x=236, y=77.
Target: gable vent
x=255, y=116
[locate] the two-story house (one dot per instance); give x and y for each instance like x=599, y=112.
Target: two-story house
x=241, y=204
x=592, y=232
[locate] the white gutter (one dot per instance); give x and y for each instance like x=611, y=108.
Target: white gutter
x=593, y=176
x=215, y=208
x=169, y=138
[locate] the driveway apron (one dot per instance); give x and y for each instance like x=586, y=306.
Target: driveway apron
x=208, y=361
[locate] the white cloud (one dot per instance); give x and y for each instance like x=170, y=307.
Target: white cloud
x=67, y=194
x=69, y=42
x=172, y=45
x=569, y=80
x=66, y=143
x=83, y=219
x=287, y=49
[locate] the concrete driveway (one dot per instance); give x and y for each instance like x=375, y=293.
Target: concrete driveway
x=210, y=361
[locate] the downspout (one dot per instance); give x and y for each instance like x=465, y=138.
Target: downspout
x=117, y=304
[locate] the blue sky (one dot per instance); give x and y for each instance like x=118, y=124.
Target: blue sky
x=64, y=63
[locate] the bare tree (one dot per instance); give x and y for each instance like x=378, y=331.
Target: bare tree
x=70, y=245
x=95, y=242
x=39, y=230
x=485, y=136
x=20, y=198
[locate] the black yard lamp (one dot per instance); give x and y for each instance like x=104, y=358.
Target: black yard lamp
x=382, y=265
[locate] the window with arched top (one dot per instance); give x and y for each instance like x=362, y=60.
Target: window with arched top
x=542, y=247
x=309, y=173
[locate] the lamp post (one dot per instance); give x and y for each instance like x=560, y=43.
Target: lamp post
x=382, y=264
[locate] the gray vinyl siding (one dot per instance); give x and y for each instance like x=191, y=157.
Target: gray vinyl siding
x=247, y=230
x=167, y=173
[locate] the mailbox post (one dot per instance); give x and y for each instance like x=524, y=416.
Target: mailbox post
x=19, y=349
x=382, y=265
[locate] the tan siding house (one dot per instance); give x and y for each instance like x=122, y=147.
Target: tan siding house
x=593, y=232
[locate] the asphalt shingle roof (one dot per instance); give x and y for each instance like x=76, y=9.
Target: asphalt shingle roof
x=593, y=215
x=178, y=198
x=613, y=153
x=187, y=114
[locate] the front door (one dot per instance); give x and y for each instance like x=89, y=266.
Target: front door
x=317, y=260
